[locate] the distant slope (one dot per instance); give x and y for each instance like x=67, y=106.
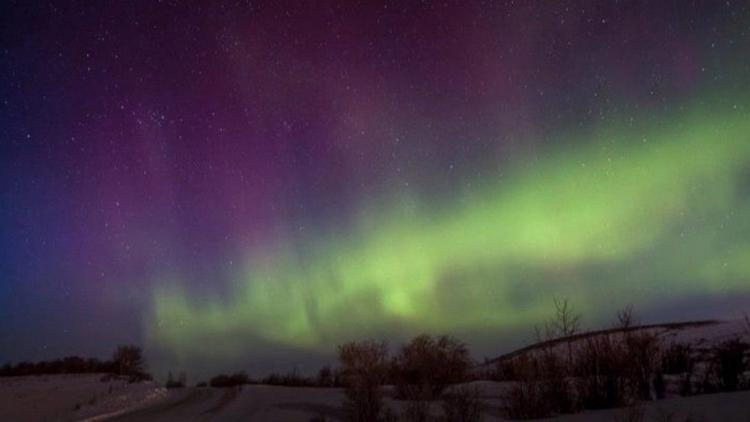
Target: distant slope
x=661, y=329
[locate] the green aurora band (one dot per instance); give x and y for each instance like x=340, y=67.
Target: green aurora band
x=627, y=213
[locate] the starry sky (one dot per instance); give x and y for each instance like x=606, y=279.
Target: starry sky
x=251, y=183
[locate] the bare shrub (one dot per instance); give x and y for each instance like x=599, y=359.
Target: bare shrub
x=509, y=369
x=544, y=384
x=417, y=411
x=543, y=387
x=660, y=385
x=557, y=385
x=364, y=369
x=426, y=365
x=642, y=351
x=462, y=404
x=686, y=384
x=677, y=359
x=709, y=381
x=325, y=377
x=730, y=363
x=641, y=362
x=526, y=400
x=617, y=370
x=600, y=368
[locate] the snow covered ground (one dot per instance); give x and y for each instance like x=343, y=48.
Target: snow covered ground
x=729, y=407
x=56, y=398
x=71, y=397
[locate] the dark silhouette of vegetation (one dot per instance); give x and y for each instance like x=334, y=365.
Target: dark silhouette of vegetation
x=626, y=318
x=543, y=378
x=327, y=378
x=566, y=321
x=180, y=382
x=68, y=365
x=730, y=363
x=417, y=410
x=290, y=379
x=526, y=399
x=426, y=365
x=462, y=404
x=660, y=385
x=557, y=385
x=421, y=371
x=543, y=387
x=364, y=370
x=613, y=368
x=616, y=367
x=564, y=324
x=642, y=350
x=601, y=370
x=129, y=363
x=617, y=370
x=677, y=359
x=233, y=380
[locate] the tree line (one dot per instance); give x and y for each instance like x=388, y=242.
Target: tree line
x=127, y=360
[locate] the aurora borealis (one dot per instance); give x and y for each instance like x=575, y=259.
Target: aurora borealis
x=582, y=224
x=225, y=181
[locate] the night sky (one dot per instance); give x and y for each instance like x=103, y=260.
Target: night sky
x=251, y=183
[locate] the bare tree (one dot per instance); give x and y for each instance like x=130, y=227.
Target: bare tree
x=129, y=360
x=566, y=321
x=626, y=317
